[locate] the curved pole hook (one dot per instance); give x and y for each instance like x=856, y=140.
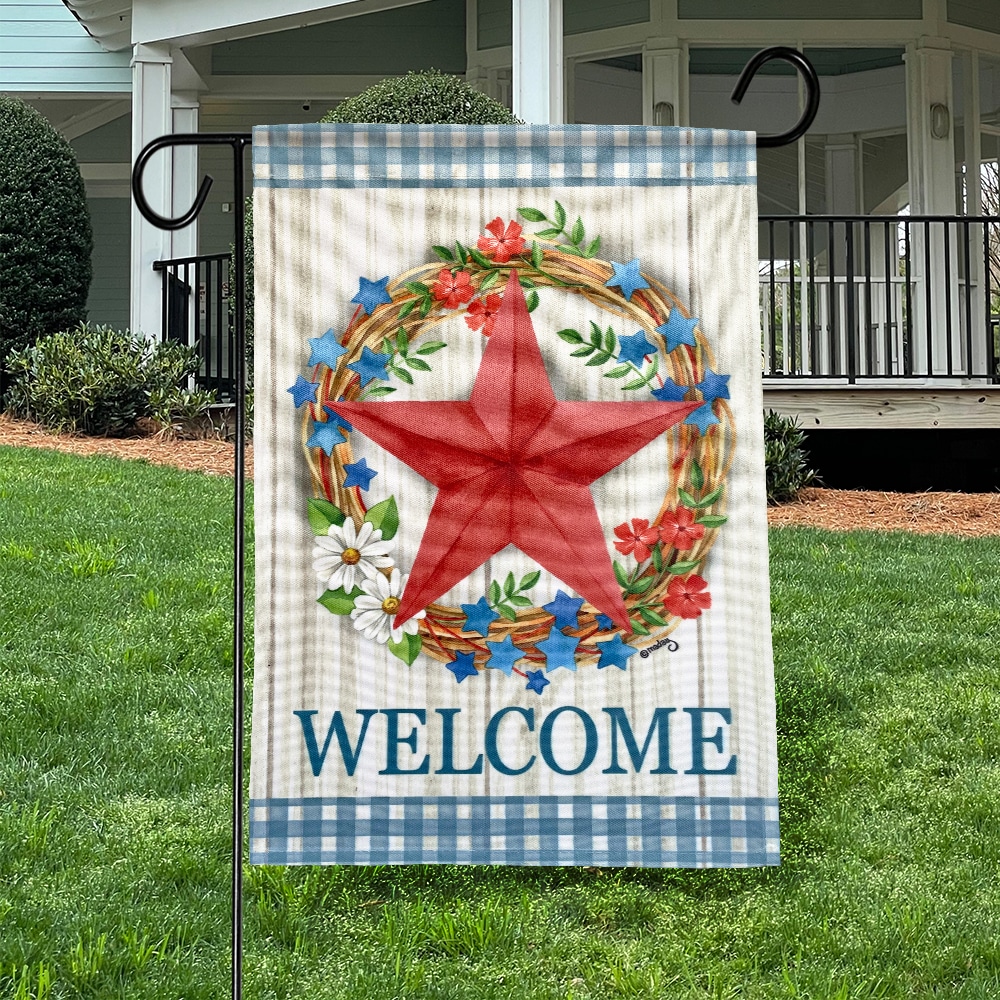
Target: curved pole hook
x=237, y=141
x=808, y=72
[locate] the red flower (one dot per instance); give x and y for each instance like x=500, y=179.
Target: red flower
x=452, y=289
x=687, y=597
x=501, y=246
x=480, y=313
x=678, y=529
x=636, y=540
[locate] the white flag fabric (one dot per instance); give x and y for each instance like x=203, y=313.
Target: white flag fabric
x=511, y=551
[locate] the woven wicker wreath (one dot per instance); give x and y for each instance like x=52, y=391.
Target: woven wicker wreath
x=556, y=257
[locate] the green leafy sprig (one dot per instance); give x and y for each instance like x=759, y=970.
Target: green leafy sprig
x=506, y=599
x=398, y=347
x=600, y=347
x=574, y=237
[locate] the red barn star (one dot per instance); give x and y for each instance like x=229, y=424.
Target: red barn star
x=513, y=465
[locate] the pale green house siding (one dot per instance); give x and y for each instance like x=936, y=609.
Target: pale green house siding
x=107, y=302
x=44, y=49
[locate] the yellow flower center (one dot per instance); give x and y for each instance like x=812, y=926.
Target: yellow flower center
x=351, y=556
x=390, y=605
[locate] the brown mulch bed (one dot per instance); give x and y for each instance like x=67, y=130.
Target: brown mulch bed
x=969, y=515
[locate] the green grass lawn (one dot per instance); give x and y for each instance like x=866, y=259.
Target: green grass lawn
x=114, y=802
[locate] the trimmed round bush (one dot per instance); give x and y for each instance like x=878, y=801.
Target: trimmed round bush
x=45, y=234
x=427, y=98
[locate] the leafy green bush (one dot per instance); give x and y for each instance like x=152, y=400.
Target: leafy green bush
x=45, y=234
x=785, y=458
x=102, y=381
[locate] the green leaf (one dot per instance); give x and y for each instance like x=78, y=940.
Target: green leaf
x=460, y=252
x=593, y=246
x=444, y=253
x=525, y=282
x=651, y=616
x=531, y=300
x=425, y=307
x=507, y=611
x=697, y=476
x=418, y=288
x=407, y=648
x=489, y=281
x=549, y=232
x=536, y=255
x=712, y=520
x=560, y=217
x=641, y=586
x=482, y=261
x=531, y=214
x=431, y=346
x=595, y=334
x=657, y=559
x=610, y=341
x=634, y=384
x=686, y=498
x=521, y=602
x=620, y=371
x=529, y=580
x=385, y=517
x=408, y=308
x=601, y=358
x=572, y=251
x=570, y=336
x=583, y=352
x=339, y=601
x=680, y=568
x=402, y=374
x=709, y=499
x=322, y=514
x=494, y=594
x=639, y=627
x=388, y=345
x=378, y=390
x=417, y=364
x=509, y=585
x=402, y=341
x=620, y=575
x=576, y=233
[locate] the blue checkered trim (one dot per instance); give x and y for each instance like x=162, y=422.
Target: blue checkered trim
x=477, y=156
x=641, y=832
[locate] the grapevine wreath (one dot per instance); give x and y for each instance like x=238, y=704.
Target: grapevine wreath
x=658, y=556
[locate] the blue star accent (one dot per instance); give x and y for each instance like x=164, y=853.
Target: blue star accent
x=325, y=350
x=604, y=623
x=358, y=474
x=372, y=294
x=702, y=418
x=325, y=436
x=341, y=422
x=370, y=365
x=635, y=348
x=478, y=616
x=303, y=391
x=536, y=681
x=671, y=392
x=713, y=386
x=614, y=653
x=626, y=277
x=503, y=655
x=677, y=330
x=463, y=666
x=559, y=650
x=566, y=609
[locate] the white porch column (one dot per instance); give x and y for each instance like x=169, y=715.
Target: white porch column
x=974, y=206
x=184, y=107
x=538, y=61
x=152, y=117
x=665, y=83
x=931, y=154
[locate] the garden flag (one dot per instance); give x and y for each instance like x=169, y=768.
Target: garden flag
x=511, y=550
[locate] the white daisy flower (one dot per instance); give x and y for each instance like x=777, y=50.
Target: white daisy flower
x=348, y=555
x=375, y=609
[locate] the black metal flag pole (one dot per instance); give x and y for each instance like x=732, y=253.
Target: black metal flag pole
x=238, y=142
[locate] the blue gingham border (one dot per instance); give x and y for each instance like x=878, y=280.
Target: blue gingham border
x=642, y=832
x=476, y=156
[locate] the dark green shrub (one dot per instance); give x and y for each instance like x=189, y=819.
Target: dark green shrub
x=102, y=381
x=785, y=458
x=45, y=234
x=426, y=98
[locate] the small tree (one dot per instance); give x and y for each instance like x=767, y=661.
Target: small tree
x=45, y=234
x=427, y=98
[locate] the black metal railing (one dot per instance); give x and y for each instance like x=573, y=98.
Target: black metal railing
x=195, y=312
x=854, y=297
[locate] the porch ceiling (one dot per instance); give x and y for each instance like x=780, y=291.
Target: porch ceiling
x=117, y=24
